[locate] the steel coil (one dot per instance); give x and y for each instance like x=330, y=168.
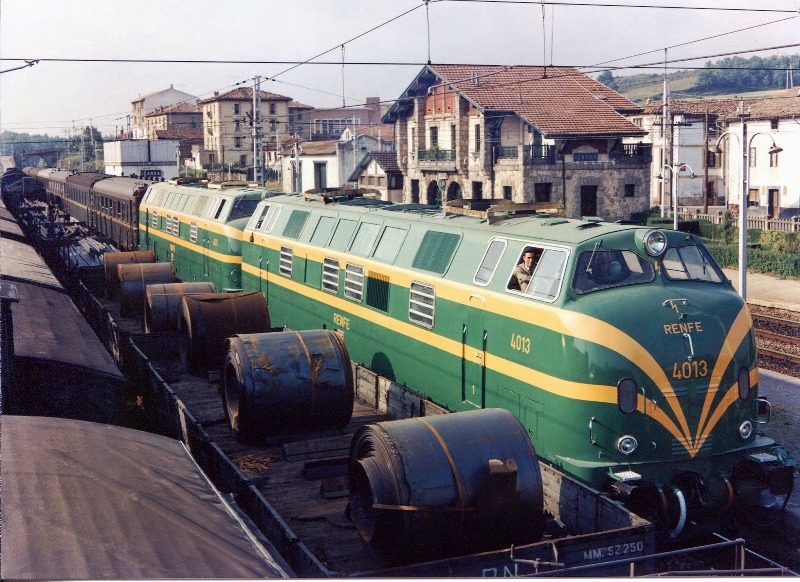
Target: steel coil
x=207, y=319
x=134, y=278
x=163, y=301
x=112, y=260
x=286, y=382
x=430, y=487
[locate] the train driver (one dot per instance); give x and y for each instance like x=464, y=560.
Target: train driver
x=524, y=270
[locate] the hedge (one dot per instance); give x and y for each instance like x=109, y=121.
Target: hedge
x=781, y=264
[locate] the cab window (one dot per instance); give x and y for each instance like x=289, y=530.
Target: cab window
x=690, y=263
x=603, y=269
x=243, y=208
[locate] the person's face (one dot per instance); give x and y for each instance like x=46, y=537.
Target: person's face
x=527, y=258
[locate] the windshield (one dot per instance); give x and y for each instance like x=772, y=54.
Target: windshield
x=243, y=207
x=604, y=269
x=692, y=263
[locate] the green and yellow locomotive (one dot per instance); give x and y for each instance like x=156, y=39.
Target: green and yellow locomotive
x=197, y=227
x=624, y=351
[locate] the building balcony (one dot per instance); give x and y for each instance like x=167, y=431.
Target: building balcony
x=543, y=154
x=436, y=155
x=436, y=159
x=531, y=154
x=632, y=152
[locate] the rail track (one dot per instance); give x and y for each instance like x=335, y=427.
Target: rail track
x=778, y=339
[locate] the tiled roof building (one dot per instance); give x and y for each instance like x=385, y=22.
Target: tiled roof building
x=529, y=134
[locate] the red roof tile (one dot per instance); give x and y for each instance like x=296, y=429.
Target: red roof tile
x=715, y=107
x=244, y=93
x=785, y=104
x=318, y=148
x=558, y=101
x=186, y=133
x=180, y=107
x=386, y=160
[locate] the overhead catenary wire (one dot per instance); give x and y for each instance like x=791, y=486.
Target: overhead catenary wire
x=541, y=3
x=623, y=5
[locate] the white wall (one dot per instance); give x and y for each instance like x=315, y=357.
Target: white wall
x=126, y=157
x=785, y=177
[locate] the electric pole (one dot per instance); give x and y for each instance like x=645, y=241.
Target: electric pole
x=258, y=160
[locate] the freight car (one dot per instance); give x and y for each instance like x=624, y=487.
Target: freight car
x=88, y=501
x=293, y=479
x=53, y=363
x=17, y=185
x=394, y=480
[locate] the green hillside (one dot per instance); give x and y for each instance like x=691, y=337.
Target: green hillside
x=729, y=77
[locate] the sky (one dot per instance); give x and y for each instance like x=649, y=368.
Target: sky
x=85, y=74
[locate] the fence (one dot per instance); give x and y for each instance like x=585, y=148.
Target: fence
x=753, y=221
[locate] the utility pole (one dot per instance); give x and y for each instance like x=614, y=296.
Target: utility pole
x=743, y=206
x=705, y=165
x=296, y=177
x=667, y=136
x=258, y=160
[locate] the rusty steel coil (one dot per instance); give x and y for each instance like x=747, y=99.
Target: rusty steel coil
x=112, y=260
x=438, y=486
x=286, y=382
x=163, y=301
x=206, y=320
x=134, y=278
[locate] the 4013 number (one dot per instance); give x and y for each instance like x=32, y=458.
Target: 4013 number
x=520, y=343
x=688, y=370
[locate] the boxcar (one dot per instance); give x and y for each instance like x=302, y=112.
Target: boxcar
x=89, y=501
x=58, y=367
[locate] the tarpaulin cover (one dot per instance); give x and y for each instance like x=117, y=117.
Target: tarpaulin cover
x=90, y=501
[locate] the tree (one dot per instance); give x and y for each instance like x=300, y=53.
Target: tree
x=607, y=79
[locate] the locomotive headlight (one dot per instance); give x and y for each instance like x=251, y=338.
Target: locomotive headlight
x=746, y=429
x=627, y=392
x=627, y=444
x=655, y=242
x=744, y=383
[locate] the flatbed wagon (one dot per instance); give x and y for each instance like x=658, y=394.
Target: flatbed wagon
x=295, y=488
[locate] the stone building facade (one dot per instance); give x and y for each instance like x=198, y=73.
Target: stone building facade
x=523, y=134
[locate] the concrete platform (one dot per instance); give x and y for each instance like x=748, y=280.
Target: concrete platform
x=769, y=291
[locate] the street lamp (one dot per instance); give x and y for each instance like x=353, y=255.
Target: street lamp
x=745, y=194
x=674, y=174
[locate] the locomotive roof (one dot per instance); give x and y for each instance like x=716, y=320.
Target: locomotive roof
x=542, y=227
x=94, y=501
